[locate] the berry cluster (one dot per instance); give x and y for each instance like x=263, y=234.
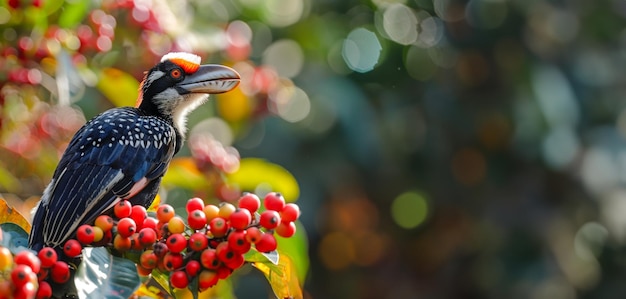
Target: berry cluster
x=23, y=275
x=214, y=242
x=209, y=245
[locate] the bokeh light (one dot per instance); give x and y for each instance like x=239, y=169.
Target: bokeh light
x=281, y=13
x=291, y=103
x=400, y=24
x=337, y=251
x=361, y=50
x=285, y=56
x=409, y=209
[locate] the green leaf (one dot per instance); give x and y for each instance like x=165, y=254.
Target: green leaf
x=158, y=283
x=118, y=86
x=296, y=247
x=261, y=257
x=102, y=275
x=51, y=6
x=73, y=13
x=8, y=181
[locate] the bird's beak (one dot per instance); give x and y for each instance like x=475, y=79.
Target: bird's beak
x=211, y=78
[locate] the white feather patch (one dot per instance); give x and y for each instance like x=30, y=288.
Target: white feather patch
x=193, y=58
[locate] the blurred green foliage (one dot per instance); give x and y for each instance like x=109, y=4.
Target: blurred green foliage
x=499, y=124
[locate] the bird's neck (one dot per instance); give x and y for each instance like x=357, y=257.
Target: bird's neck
x=153, y=110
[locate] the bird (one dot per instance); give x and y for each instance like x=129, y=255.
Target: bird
x=123, y=153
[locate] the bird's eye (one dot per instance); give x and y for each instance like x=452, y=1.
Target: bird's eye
x=176, y=73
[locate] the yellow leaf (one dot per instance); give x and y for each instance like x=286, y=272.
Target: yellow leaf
x=282, y=277
x=254, y=172
x=184, y=173
x=119, y=87
x=8, y=214
x=149, y=292
x=155, y=204
x=234, y=106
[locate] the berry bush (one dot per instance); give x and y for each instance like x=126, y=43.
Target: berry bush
x=193, y=252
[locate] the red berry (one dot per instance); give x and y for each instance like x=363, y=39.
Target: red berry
x=14, y=3
x=104, y=222
x=274, y=201
x=85, y=234
x=209, y=259
x=173, y=261
x=43, y=274
x=218, y=227
x=72, y=248
x=148, y=259
x=224, y=252
x=139, y=214
x=122, y=209
x=176, y=243
x=269, y=219
x=237, y=241
x=44, y=291
x=240, y=219
x=223, y=272
x=207, y=279
x=47, y=256
x=126, y=227
x=196, y=219
x=286, y=229
x=194, y=204
x=192, y=268
x=22, y=274
x=147, y=236
x=29, y=259
x=236, y=261
x=290, y=212
x=27, y=291
x=253, y=234
x=250, y=201
x=267, y=243
x=198, y=242
x=165, y=212
x=150, y=222
x=143, y=271
x=60, y=272
x=179, y=280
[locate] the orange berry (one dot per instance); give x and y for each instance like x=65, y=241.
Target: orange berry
x=176, y=225
x=211, y=211
x=165, y=212
x=226, y=209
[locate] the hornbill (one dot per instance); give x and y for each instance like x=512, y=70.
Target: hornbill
x=124, y=152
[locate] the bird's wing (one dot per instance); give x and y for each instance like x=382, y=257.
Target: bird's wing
x=115, y=155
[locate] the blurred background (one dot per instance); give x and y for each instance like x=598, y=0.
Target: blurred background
x=437, y=148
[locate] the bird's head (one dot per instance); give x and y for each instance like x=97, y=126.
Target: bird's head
x=179, y=83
